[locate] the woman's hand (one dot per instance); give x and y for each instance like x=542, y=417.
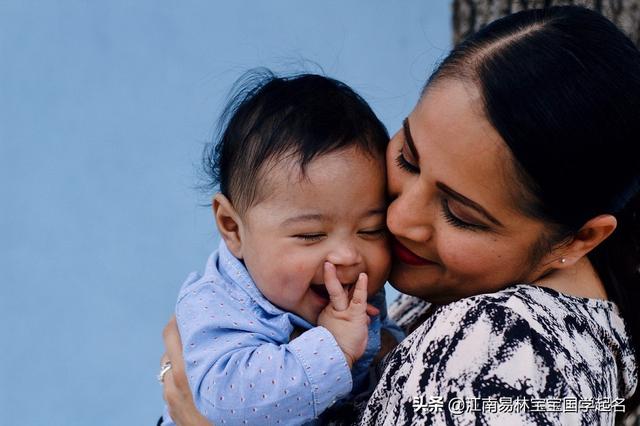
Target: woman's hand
x=176, y=391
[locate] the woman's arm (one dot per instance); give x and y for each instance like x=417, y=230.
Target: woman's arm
x=176, y=390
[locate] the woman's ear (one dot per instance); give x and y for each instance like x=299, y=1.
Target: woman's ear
x=586, y=239
x=229, y=224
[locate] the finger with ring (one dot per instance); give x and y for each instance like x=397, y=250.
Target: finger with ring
x=163, y=370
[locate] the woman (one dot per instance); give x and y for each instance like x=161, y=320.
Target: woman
x=515, y=212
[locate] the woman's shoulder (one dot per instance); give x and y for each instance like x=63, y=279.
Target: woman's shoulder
x=553, y=342
x=542, y=320
x=475, y=327
x=549, y=316
x=542, y=309
x=522, y=342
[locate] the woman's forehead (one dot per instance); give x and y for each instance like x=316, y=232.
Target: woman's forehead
x=448, y=122
x=458, y=146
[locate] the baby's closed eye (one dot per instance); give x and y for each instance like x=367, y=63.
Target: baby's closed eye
x=311, y=236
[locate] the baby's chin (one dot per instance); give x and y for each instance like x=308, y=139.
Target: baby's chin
x=320, y=300
x=321, y=290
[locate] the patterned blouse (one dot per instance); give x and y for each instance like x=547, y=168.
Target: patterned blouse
x=523, y=355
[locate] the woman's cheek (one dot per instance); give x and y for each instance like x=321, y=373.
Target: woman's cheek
x=467, y=257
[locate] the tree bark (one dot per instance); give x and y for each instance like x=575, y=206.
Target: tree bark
x=471, y=15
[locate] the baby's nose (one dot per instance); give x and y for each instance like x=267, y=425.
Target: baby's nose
x=344, y=255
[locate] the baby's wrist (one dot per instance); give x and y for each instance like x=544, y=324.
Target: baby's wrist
x=350, y=359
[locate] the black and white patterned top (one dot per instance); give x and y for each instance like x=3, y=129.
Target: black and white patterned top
x=552, y=358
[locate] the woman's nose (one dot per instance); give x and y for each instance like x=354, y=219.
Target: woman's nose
x=410, y=215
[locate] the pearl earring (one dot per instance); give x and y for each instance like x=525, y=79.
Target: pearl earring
x=563, y=260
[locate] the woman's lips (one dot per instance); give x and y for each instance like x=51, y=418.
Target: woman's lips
x=407, y=256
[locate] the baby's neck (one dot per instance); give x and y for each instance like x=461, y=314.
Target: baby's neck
x=297, y=331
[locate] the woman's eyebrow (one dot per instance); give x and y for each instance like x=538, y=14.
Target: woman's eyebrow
x=468, y=202
x=409, y=138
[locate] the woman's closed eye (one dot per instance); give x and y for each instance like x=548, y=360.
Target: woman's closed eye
x=454, y=220
x=407, y=157
x=374, y=233
x=406, y=160
x=402, y=162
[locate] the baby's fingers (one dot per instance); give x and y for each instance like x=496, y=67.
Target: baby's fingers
x=337, y=295
x=372, y=310
x=359, y=298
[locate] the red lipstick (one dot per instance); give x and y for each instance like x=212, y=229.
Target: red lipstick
x=407, y=256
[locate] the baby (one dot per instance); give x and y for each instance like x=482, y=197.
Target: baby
x=278, y=327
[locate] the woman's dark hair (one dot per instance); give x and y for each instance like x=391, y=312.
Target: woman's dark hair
x=562, y=87
x=271, y=119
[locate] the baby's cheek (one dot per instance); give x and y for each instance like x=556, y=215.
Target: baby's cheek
x=290, y=282
x=379, y=270
x=307, y=268
x=296, y=275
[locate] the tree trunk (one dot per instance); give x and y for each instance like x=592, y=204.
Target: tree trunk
x=471, y=15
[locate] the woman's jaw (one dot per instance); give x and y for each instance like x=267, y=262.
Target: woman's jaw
x=433, y=281
x=416, y=275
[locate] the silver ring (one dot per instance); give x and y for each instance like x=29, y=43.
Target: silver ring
x=163, y=370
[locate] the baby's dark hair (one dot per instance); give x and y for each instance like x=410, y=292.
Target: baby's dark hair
x=271, y=119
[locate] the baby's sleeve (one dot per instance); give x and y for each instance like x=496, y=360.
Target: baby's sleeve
x=240, y=374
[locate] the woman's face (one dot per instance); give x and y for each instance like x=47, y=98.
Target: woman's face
x=457, y=231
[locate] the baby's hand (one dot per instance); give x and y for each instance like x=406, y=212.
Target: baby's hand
x=347, y=320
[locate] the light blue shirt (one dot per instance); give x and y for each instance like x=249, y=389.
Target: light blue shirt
x=240, y=363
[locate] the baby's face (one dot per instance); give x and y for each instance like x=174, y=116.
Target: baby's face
x=336, y=214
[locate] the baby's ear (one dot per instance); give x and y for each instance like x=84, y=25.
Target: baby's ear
x=229, y=224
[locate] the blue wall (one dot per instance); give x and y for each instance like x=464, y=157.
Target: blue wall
x=104, y=108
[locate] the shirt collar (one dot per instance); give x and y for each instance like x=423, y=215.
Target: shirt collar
x=234, y=271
